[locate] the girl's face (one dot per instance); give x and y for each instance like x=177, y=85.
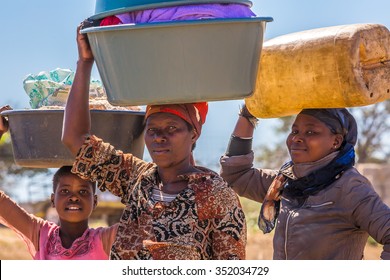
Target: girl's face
x=310, y=140
x=74, y=199
x=169, y=140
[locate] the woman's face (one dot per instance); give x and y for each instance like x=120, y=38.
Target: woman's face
x=169, y=140
x=310, y=140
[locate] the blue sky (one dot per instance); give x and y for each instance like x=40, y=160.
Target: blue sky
x=40, y=35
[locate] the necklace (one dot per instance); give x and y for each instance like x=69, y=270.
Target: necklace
x=159, y=195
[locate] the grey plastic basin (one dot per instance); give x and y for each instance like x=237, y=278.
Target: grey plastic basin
x=36, y=135
x=178, y=62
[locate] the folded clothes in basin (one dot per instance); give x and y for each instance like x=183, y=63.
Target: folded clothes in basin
x=184, y=12
x=51, y=88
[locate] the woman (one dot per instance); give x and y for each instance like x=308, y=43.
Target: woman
x=321, y=206
x=174, y=209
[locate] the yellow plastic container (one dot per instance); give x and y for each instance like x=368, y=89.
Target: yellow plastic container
x=339, y=66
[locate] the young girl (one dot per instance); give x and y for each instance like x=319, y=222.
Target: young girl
x=320, y=205
x=72, y=239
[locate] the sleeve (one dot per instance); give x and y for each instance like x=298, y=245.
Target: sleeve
x=244, y=179
x=229, y=236
x=111, y=168
x=25, y=225
x=369, y=212
x=108, y=237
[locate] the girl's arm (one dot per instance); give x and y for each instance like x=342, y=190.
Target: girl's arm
x=108, y=237
x=26, y=225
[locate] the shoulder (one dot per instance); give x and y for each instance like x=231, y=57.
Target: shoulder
x=47, y=228
x=354, y=185
x=352, y=178
x=107, y=236
x=110, y=230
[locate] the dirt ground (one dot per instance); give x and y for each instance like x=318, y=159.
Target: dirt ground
x=259, y=247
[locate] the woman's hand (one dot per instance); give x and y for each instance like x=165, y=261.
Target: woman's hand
x=3, y=121
x=84, y=48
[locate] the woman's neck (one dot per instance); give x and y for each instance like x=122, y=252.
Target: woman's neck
x=171, y=174
x=172, y=180
x=304, y=169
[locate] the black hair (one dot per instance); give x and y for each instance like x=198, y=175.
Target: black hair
x=64, y=171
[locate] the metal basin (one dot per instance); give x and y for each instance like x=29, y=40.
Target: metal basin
x=36, y=135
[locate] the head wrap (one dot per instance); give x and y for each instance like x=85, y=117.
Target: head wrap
x=339, y=121
x=192, y=113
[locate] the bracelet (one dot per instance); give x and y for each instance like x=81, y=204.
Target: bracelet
x=244, y=112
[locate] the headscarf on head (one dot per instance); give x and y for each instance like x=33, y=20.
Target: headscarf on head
x=192, y=113
x=339, y=121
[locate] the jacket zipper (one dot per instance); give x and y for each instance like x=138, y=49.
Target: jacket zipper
x=286, y=230
x=293, y=212
x=320, y=205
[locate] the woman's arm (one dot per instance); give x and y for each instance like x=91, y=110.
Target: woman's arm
x=3, y=120
x=112, y=169
x=77, y=119
x=241, y=139
x=237, y=164
x=369, y=212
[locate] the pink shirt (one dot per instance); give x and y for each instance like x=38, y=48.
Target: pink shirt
x=87, y=247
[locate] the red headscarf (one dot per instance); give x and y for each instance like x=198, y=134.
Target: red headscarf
x=193, y=113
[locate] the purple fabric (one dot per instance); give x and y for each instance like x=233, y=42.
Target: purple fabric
x=187, y=12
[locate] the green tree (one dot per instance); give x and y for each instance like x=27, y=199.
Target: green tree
x=374, y=124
